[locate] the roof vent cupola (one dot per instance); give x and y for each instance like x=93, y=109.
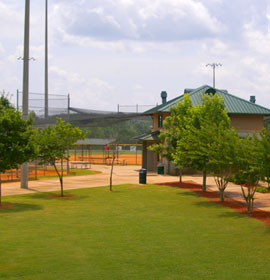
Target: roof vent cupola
x=252, y=99
x=163, y=96
x=210, y=91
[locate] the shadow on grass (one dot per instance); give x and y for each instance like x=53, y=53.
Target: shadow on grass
x=54, y=196
x=18, y=207
x=116, y=191
x=267, y=229
x=233, y=215
x=208, y=204
x=188, y=193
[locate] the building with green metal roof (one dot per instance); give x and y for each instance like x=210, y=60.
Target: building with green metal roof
x=246, y=116
x=234, y=104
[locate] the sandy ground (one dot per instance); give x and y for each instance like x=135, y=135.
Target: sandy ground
x=125, y=175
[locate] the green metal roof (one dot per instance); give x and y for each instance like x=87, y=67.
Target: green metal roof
x=234, y=104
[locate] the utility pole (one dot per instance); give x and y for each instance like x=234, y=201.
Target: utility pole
x=24, y=167
x=46, y=113
x=214, y=65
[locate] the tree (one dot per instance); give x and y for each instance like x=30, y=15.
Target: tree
x=54, y=141
x=17, y=136
x=248, y=171
x=111, y=175
x=263, y=154
x=222, y=155
x=195, y=144
x=174, y=127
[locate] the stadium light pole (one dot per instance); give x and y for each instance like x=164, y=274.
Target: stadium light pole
x=24, y=166
x=214, y=65
x=46, y=111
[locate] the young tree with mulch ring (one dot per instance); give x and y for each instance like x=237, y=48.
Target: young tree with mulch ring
x=54, y=141
x=17, y=144
x=263, y=154
x=248, y=171
x=223, y=152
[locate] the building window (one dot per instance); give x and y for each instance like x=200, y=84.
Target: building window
x=160, y=121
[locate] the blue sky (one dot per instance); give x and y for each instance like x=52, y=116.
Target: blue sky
x=110, y=52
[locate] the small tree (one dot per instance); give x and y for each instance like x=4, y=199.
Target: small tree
x=222, y=156
x=174, y=127
x=111, y=174
x=248, y=172
x=54, y=141
x=263, y=154
x=17, y=143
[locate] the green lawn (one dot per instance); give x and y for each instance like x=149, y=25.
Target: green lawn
x=73, y=172
x=135, y=232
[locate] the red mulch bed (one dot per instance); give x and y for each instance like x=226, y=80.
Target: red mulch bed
x=213, y=196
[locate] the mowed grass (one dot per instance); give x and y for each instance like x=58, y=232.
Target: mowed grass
x=135, y=232
x=73, y=172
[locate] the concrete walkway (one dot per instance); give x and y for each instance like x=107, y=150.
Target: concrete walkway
x=125, y=175
x=121, y=175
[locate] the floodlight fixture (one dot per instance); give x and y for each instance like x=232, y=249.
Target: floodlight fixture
x=214, y=65
x=31, y=58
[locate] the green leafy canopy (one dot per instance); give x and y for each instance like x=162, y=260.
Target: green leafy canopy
x=55, y=140
x=17, y=137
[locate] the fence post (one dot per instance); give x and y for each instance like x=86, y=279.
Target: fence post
x=136, y=154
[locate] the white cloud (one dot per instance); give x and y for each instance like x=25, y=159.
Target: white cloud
x=10, y=18
x=257, y=39
x=215, y=47
x=90, y=42
x=141, y=20
x=85, y=92
x=2, y=50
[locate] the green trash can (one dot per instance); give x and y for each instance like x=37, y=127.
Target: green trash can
x=160, y=169
x=142, y=176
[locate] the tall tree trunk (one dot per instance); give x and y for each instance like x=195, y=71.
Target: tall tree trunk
x=221, y=195
x=204, y=181
x=249, y=197
x=62, y=189
x=112, y=172
x=221, y=184
x=180, y=175
x=61, y=179
x=60, y=176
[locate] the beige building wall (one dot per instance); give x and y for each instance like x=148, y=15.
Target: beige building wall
x=247, y=122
